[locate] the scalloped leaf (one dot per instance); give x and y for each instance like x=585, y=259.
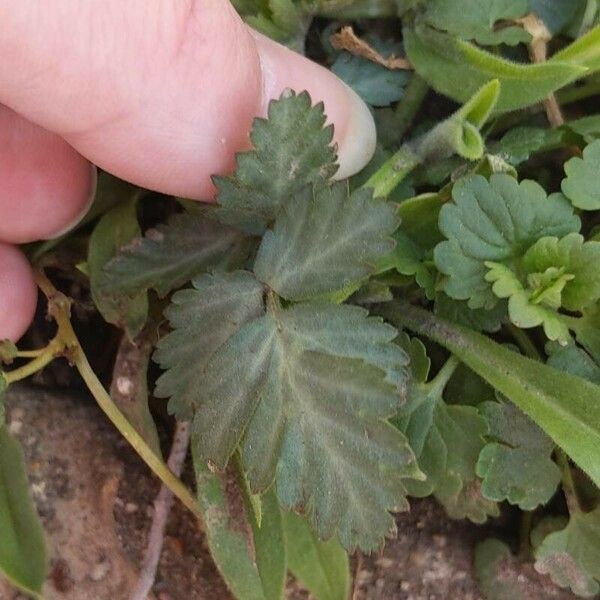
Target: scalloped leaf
x=494, y=221
x=582, y=183
x=516, y=463
x=325, y=240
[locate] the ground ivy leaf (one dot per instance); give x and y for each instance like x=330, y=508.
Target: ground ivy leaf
x=494, y=221
x=475, y=19
x=292, y=149
x=582, y=183
x=516, y=463
x=306, y=390
x=523, y=310
x=203, y=318
x=446, y=439
x=571, y=556
x=323, y=240
x=172, y=254
x=574, y=257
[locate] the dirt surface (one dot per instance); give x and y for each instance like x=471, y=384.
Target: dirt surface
x=95, y=498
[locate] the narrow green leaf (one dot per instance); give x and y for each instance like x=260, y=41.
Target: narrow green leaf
x=321, y=567
x=583, y=52
x=270, y=545
x=458, y=69
x=324, y=240
x=115, y=229
x=172, y=254
x=566, y=407
x=22, y=546
x=227, y=530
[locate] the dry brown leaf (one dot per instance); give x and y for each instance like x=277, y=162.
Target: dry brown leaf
x=347, y=40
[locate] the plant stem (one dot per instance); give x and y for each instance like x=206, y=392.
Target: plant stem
x=439, y=382
x=524, y=342
x=392, y=172
x=568, y=482
x=59, y=309
x=525, y=534
x=46, y=356
x=409, y=106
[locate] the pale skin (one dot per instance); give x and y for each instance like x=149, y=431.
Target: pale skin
x=161, y=93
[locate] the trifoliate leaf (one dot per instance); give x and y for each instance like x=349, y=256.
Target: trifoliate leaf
x=306, y=390
x=494, y=221
x=203, y=319
x=526, y=308
x=571, y=556
x=446, y=439
x=116, y=228
x=170, y=255
x=292, y=148
x=573, y=256
x=516, y=463
x=475, y=19
x=582, y=184
x=324, y=240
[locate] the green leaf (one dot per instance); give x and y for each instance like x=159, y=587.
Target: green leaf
x=576, y=361
x=478, y=319
x=564, y=406
x=518, y=144
x=573, y=256
x=571, y=557
x=115, y=229
x=3, y=388
x=321, y=567
x=475, y=19
x=203, y=319
x=494, y=221
x=582, y=183
x=22, y=547
x=172, y=254
x=583, y=52
x=270, y=545
x=324, y=240
x=446, y=439
x=523, y=309
x=274, y=386
x=227, y=531
x=292, y=149
x=458, y=69
x=556, y=14
x=516, y=463
x=491, y=559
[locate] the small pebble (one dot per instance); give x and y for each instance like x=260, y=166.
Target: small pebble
x=100, y=571
x=131, y=507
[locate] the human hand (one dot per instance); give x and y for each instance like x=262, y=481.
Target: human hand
x=161, y=93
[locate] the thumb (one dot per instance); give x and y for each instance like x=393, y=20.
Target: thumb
x=160, y=93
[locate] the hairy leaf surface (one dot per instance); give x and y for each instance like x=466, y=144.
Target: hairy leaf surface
x=516, y=463
x=306, y=390
x=170, y=255
x=494, y=221
x=292, y=149
x=325, y=240
x=582, y=184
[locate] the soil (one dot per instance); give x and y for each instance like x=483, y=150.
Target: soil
x=95, y=498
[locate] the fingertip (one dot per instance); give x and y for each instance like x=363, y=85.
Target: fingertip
x=18, y=293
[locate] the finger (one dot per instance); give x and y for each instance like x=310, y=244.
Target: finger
x=158, y=92
x=18, y=293
x=45, y=185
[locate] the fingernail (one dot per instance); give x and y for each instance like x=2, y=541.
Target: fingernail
x=357, y=147
x=90, y=200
